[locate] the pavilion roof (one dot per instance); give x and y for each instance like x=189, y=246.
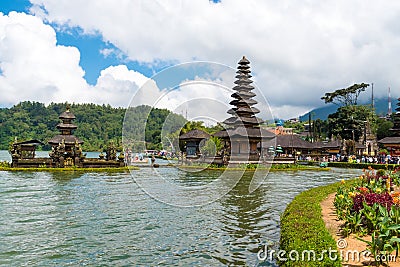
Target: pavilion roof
x=289, y=140
x=390, y=140
x=32, y=142
x=194, y=134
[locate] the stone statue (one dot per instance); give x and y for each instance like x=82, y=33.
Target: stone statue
x=111, y=152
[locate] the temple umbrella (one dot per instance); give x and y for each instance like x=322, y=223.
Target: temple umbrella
x=271, y=150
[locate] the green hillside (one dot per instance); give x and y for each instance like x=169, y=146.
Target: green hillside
x=97, y=124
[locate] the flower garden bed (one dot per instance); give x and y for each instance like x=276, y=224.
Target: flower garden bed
x=369, y=208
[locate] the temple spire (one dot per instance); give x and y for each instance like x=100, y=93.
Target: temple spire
x=243, y=112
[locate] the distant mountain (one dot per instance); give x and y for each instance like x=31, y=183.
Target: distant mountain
x=381, y=107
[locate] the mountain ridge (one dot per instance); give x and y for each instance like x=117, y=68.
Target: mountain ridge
x=381, y=109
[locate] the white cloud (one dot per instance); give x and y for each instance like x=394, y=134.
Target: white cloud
x=106, y=52
x=298, y=50
x=33, y=67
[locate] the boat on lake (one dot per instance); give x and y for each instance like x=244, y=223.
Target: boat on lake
x=139, y=158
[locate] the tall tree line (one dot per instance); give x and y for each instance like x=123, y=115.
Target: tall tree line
x=97, y=124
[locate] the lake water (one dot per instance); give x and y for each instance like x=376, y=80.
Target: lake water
x=106, y=219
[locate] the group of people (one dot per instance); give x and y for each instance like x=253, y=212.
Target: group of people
x=379, y=159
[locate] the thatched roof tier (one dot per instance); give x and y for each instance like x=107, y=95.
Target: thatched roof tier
x=337, y=143
x=360, y=146
x=243, y=95
x=243, y=67
x=243, y=121
x=244, y=61
x=243, y=87
x=68, y=140
x=245, y=109
x=67, y=115
x=293, y=141
x=242, y=102
x=244, y=71
x=245, y=132
x=390, y=140
x=194, y=134
x=69, y=126
x=243, y=80
x=242, y=75
x=32, y=142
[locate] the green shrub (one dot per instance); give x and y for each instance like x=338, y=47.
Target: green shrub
x=5, y=164
x=370, y=207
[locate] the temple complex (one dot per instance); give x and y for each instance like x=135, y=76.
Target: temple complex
x=66, y=150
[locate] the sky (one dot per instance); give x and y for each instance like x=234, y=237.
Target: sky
x=113, y=51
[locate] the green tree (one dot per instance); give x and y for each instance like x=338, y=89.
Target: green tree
x=349, y=121
x=346, y=96
x=298, y=127
x=212, y=147
x=383, y=128
x=320, y=129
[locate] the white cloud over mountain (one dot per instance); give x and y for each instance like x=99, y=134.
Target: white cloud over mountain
x=298, y=50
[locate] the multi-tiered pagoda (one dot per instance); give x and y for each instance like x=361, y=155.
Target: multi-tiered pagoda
x=66, y=147
x=243, y=112
x=243, y=136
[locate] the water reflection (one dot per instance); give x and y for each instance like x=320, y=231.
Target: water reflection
x=244, y=218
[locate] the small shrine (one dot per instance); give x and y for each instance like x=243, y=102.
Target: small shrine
x=191, y=142
x=66, y=147
x=243, y=136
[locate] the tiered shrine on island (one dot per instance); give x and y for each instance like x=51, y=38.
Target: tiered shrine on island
x=66, y=150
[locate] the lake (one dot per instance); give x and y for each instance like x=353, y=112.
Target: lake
x=106, y=219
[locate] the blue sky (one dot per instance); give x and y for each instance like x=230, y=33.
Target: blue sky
x=92, y=61
x=105, y=51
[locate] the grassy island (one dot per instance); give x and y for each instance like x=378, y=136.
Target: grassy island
x=45, y=169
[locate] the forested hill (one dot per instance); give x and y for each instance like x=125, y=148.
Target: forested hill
x=381, y=108
x=97, y=124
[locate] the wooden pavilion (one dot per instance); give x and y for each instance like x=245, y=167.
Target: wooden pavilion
x=190, y=142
